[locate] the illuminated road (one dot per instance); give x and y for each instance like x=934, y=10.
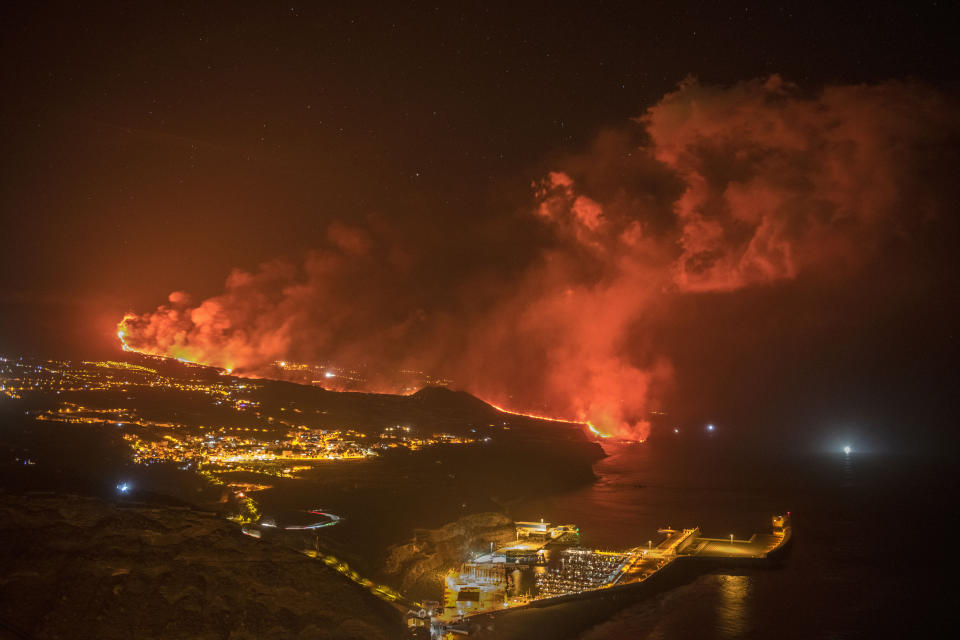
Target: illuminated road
x=332, y=519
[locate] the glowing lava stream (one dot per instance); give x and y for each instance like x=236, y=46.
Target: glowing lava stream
x=590, y=426
x=123, y=342
x=121, y=334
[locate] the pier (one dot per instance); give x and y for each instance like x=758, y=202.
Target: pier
x=549, y=572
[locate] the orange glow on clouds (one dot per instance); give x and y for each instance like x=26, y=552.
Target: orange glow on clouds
x=723, y=190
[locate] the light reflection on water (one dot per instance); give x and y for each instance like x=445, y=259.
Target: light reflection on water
x=641, y=489
x=840, y=579
x=733, y=608
x=848, y=471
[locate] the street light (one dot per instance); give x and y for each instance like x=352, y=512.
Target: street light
x=731, y=538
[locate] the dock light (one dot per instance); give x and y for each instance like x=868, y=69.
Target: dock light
x=847, y=449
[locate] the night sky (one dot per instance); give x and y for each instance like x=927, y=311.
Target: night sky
x=414, y=177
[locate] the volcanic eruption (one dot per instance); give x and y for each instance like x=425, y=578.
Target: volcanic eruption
x=710, y=193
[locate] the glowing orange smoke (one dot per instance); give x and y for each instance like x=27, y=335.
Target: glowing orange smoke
x=123, y=331
x=710, y=192
x=586, y=423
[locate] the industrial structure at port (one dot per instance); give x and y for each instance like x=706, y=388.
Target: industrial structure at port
x=546, y=565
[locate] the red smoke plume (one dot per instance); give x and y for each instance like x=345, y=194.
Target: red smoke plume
x=711, y=190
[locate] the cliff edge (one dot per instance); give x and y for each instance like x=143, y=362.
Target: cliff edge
x=420, y=564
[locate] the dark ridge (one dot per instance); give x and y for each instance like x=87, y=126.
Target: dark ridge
x=442, y=397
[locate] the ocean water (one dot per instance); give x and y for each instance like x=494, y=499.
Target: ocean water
x=872, y=553
x=871, y=548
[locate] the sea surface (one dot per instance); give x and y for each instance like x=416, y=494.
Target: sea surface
x=872, y=552
x=872, y=541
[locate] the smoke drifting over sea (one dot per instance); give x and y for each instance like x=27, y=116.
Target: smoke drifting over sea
x=709, y=196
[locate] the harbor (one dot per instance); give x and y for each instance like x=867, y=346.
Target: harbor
x=546, y=566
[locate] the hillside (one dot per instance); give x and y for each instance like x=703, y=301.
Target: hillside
x=76, y=567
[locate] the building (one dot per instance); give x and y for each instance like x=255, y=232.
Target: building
x=476, y=587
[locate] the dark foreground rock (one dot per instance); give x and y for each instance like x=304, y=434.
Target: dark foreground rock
x=76, y=567
x=419, y=565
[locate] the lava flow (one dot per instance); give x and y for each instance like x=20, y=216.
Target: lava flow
x=588, y=424
x=122, y=336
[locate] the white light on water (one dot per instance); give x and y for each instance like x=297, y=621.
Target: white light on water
x=847, y=449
